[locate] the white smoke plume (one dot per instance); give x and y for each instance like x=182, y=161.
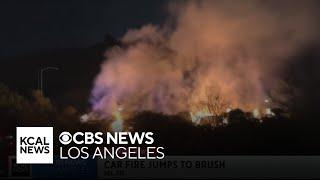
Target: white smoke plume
x=230, y=49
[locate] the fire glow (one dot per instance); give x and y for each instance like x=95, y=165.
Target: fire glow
x=209, y=58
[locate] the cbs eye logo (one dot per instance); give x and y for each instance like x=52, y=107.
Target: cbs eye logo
x=65, y=138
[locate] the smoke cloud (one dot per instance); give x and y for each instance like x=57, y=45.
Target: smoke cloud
x=230, y=50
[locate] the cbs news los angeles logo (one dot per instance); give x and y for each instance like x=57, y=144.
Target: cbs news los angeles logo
x=34, y=145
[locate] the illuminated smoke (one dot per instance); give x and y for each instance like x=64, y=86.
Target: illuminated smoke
x=229, y=51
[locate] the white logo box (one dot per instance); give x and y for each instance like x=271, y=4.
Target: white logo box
x=35, y=132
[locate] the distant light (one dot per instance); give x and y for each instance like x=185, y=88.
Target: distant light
x=266, y=101
x=84, y=118
x=9, y=137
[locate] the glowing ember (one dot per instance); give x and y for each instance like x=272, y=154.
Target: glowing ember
x=197, y=116
x=225, y=121
x=268, y=112
x=256, y=113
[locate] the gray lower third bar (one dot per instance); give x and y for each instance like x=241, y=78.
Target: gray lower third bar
x=213, y=167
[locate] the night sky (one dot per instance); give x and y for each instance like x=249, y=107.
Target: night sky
x=43, y=25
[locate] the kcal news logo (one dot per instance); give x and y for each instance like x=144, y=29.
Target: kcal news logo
x=34, y=145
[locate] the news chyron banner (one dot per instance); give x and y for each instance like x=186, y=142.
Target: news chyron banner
x=132, y=155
